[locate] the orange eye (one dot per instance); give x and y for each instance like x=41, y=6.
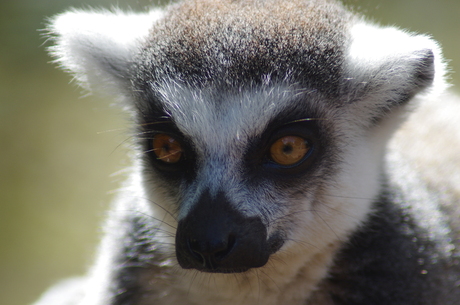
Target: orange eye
x=166, y=148
x=289, y=150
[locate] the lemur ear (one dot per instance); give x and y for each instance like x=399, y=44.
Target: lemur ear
x=97, y=47
x=387, y=67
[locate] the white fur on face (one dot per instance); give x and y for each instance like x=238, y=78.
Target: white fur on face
x=222, y=130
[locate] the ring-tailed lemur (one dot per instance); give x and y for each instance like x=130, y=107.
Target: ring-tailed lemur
x=264, y=171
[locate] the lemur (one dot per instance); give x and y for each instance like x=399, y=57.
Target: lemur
x=275, y=160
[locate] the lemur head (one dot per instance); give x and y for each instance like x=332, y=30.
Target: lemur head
x=262, y=124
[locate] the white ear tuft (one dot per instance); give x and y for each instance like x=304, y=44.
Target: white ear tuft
x=98, y=46
x=393, y=61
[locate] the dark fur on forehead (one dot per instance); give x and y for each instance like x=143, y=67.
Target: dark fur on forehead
x=232, y=44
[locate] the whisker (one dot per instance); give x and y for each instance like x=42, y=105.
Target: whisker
x=270, y=278
x=347, y=197
x=325, y=222
x=307, y=119
x=159, y=206
x=155, y=218
x=167, y=120
x=112, y=130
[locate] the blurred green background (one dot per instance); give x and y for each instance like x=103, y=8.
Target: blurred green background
x=59, y=150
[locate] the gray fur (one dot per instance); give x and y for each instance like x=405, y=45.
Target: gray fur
x=356, y=221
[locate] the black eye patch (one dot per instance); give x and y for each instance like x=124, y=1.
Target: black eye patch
x=284, y=151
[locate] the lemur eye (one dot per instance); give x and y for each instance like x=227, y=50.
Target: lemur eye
x=289, y=150
x=166, y=148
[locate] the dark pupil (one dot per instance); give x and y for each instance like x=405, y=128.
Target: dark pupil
x=287, y=149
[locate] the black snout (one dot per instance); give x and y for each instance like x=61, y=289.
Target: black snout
x=214, y=237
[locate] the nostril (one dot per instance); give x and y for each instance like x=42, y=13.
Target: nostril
x=194, y=247
x=206, y=251
x=230, y=243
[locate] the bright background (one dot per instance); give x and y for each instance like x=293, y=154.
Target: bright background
x=59, y=150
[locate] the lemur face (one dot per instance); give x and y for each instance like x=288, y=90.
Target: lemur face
x=237, y=131
x=246, y=125
x=243, y=169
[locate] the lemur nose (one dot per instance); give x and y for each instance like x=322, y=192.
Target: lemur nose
x=215, y=237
